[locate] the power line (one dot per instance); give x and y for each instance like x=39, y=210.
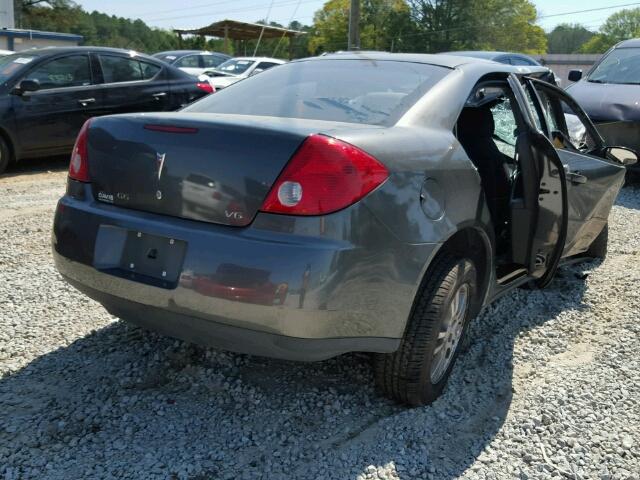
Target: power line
x=236, y=10
x=589, y=10
x=469, y=25
x=295, y=10
x=192, y=7
x=263, y=27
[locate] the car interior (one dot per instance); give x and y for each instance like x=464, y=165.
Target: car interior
x=487, y=131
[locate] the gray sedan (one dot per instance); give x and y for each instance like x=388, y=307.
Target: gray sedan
x=352, y=202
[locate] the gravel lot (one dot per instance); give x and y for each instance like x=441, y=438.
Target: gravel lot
x=549, y=387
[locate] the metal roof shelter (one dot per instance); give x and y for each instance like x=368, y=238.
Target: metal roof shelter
x=234, y=30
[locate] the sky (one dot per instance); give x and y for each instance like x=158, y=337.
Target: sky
x=197, y=13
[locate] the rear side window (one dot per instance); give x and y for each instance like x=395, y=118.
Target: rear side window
x=72, y=71
x=211, y=61
x=266, y=65
x=149, y=70
x=190, y=61
x=521, y=61
x=120, y=69
x=354, y=91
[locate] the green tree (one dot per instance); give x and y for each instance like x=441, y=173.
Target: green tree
x=477, y=25
x=567, y=38
x=383, y=25
x=619, y=26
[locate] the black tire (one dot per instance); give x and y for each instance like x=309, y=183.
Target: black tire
x=598, y=249
x=408, y=375
x=5, y=156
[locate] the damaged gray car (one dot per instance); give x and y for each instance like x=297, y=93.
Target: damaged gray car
x=365, y=202
x=610, y=94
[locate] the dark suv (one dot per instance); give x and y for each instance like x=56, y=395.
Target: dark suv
x=47, y=94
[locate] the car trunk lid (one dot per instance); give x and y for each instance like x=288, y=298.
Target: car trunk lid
x=207, y=167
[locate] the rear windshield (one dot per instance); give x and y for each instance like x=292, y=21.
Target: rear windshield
x=353, y=91
x=12, y=64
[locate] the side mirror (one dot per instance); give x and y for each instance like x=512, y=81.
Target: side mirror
x=256, y=71
x=26, y=86
x=622, y=155
x=575, y=75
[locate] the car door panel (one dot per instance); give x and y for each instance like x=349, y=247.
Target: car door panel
x=593, y=182
x=591, y=197
x=48, y=120
x=539, y=212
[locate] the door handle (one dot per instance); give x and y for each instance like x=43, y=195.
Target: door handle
x=576, y=177
x=158, y=96
x=86, y=101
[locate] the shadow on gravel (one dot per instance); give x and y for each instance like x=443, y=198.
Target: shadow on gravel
x=628, y=196
x=131, y=404
x=35, y=166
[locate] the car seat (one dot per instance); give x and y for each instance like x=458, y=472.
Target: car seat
x=476, y=129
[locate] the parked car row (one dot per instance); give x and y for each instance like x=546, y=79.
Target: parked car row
x=47, y=94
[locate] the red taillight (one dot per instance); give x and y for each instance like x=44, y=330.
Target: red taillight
x=206, y=87
x=79, y=164
x=325, y=175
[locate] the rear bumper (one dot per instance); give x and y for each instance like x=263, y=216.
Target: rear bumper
x=303, y=288
x=219, y=335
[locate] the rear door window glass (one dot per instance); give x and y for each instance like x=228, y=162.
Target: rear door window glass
x=266, y=65
x=72, y=71
x=211, y=61
x=190, y=61
x=354, y=91
x=149, y=70
x=120, y=69
x=566, y=128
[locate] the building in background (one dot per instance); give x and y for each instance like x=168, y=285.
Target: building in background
x=15, y=39
x=6, y=14
x=19, y=40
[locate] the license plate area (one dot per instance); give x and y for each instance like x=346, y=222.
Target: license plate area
x=139, y=256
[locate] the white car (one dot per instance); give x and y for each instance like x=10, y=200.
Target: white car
x=235, y=69
x=193, y=62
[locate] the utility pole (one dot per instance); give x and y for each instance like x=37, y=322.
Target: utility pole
x=354, y=25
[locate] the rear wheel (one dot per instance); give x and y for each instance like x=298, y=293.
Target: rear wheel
x=418, y=371
x=598, y=248
x=5, y=156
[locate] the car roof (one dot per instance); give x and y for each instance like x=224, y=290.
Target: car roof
x=440, y=59
x=476, y=54
x=632, y=42
x=178, y=53
x=58, y=50
x=260, y=59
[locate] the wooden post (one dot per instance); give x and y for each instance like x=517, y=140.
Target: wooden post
x=354, y=26
x=226, y=39
x=291, y=40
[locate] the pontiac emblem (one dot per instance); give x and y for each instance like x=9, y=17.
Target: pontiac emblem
x=160, y=162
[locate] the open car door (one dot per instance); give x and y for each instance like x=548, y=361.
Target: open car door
x=539, y=203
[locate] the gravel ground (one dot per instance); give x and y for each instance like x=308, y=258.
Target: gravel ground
x=549, y=387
